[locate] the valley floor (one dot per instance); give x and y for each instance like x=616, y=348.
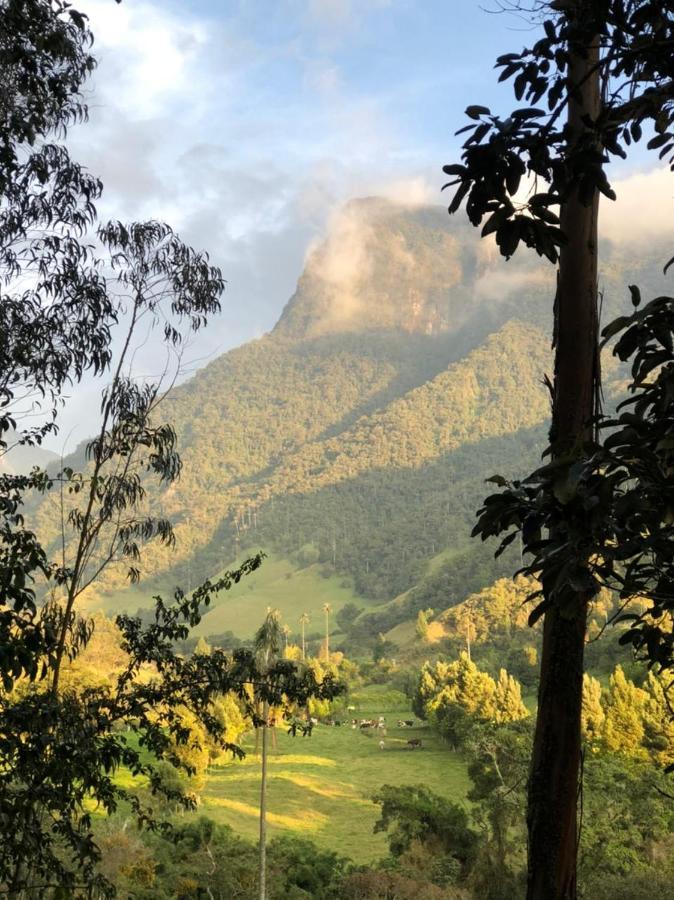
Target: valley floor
x=321, y=787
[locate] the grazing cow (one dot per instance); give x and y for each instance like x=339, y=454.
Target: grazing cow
x=381, y=745
x=402, y=724
x=313, y=720
x=409, y=723
x=414, y=743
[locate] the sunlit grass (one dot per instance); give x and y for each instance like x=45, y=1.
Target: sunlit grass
x=322, y=786
x=277, y=583
x=310, y=821
x=326, y=794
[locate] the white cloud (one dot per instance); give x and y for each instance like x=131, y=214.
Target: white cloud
x=410, y=191
x=148, y=55
x=644, y=209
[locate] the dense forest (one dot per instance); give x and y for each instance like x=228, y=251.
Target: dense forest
x=368, y=440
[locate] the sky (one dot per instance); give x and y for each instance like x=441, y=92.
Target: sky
x=246, y=125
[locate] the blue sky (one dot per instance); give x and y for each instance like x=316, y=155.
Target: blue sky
x=248, y=124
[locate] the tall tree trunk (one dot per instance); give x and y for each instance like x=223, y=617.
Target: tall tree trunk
x=263, y=809
x=554, y=776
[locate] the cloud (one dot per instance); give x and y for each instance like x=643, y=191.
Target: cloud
x=341, y=263
x=644, y=209
x=500, y=283
x=148, y=54
x=414, y=190
x=341, y=13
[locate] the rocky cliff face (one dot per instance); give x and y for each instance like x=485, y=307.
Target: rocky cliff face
x=418, y=270
x=385, y=267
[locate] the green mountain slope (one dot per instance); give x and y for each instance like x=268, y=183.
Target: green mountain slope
x=406, y=369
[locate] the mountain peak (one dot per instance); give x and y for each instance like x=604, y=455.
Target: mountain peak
x=382, y=266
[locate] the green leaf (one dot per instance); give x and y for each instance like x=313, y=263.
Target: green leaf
x=658, y=141
x=480, y=132
x=635, y=130
x=614, y=327
x=454, y=170
x=531, y=112
x=496, y=220
x=540, y=610
x=474, y=112
x=458, y=197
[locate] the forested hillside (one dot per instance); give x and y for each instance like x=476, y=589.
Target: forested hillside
x=357, y=435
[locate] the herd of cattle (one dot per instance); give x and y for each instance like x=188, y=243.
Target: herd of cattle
x=376, y=725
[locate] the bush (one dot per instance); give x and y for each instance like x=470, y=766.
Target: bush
x=298, y=868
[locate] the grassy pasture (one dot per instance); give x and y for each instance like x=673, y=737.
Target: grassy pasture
x=321, y=787
x=279, y=584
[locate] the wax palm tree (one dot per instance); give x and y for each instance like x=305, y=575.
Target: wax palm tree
x=286, y=631
x=327, y=609
x=304, y=620
x=267, y=645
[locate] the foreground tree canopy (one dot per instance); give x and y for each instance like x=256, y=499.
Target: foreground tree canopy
x=62, y=742
x=603, y=69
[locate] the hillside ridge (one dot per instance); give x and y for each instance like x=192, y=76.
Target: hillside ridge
x=362, y=441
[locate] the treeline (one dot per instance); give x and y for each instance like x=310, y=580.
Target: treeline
x=626, y=838
x=493, y=623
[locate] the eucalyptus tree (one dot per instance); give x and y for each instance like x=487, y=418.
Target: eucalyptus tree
x=55, y=314
x=59, y=744
x=60, y=302
x=604, y=71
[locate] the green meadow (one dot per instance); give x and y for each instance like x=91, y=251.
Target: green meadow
x=281, y=585
x=277, y=583
x=321, y=787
